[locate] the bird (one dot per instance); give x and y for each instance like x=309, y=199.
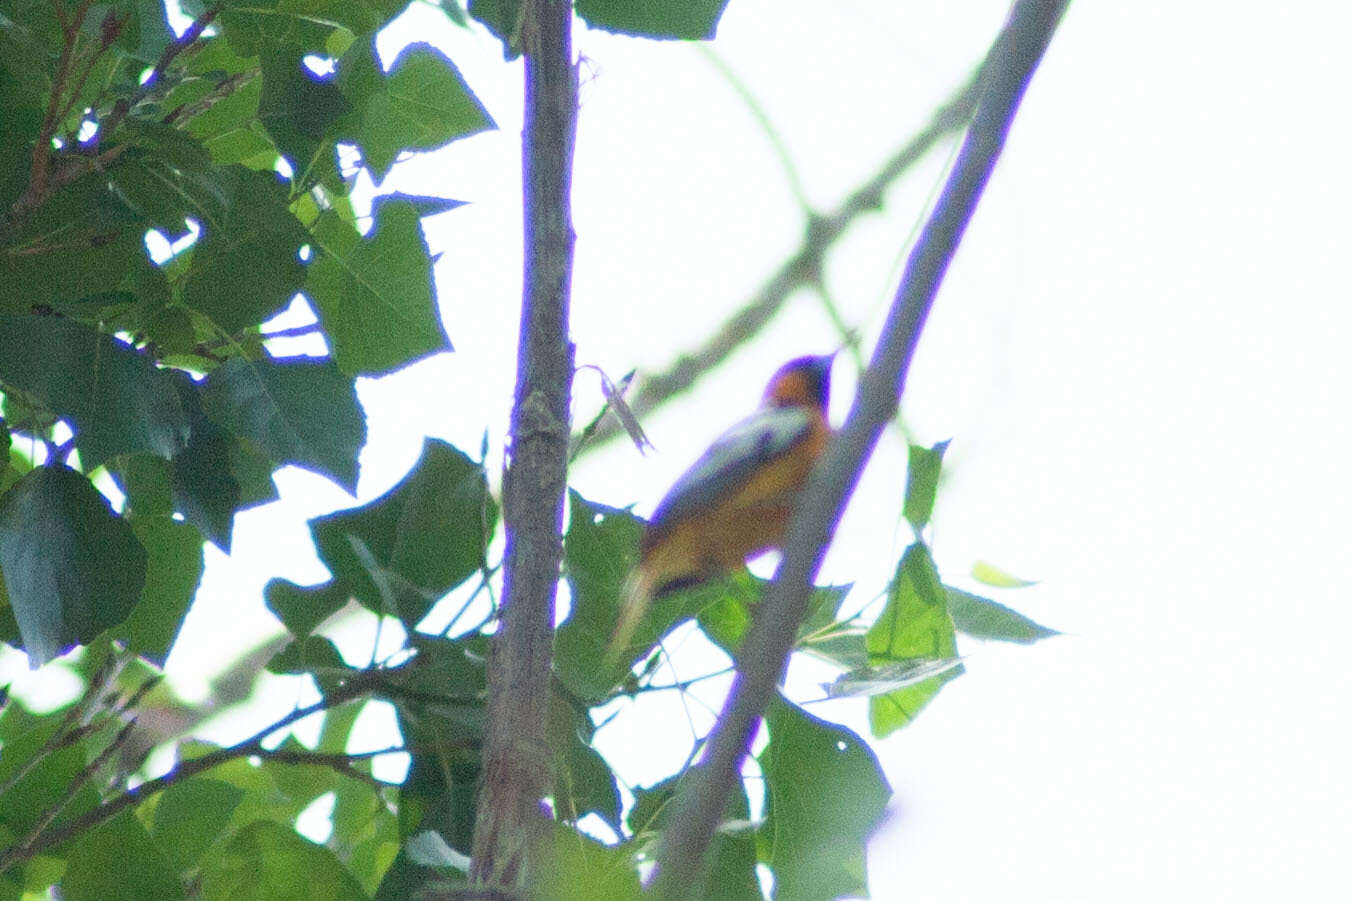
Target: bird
x=736, y=500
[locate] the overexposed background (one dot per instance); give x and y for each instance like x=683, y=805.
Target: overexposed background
x=1139, y=353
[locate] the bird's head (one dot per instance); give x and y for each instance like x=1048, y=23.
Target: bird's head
x=804, y=382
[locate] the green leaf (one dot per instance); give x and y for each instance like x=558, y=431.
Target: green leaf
x=421, y=103
x=583, y=783
x=267, y=860
x=298, y=412
x=118, y=860
x=300, y=608
x=983, y=618
x=994, y=576
x=824, y=794
x=191, y=816
x=922, y=482
x=599, y=551
x=266, y=26
x=205, y=491
x=583, y=867
x=422, y=538
x=173, y=571
x=81, y=241
x=246, y=266
x=119, y=402
x=298, y=108
x=503, y=19
x=72, y=567
x=914, y=624
x=51, y=775
x=690, y=20
x=374, y=295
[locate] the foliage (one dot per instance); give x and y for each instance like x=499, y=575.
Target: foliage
x=143, y=409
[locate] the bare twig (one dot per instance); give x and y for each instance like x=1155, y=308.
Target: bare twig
x=1008, y=68
x=509, y=831
x=801, y=269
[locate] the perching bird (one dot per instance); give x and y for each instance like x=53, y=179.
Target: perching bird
x=736, y=501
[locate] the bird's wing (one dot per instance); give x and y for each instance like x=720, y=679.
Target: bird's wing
x=733, y=458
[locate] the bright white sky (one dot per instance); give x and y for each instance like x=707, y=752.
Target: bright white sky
x=1139, y=354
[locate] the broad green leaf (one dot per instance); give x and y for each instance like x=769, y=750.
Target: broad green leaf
x=825, y=792
x=146, y=481
x=173, y=570
x=983, y=618
x=583, y=783
x=118, y=861
x=599, y=551
x=246, y=265
x=206, y=492
x=117, y=399
x=72, y=567
x=922, y=482
x=421, y=103
x=84, y=239
x=268, y=860
x=583, y=867
x=994, y=576
x=914, y=624
x=727, y=620
x=690, y=20
x=191, y=816
x=302, y=608
x=300, y=412
x=374, y=295
x=267, y=26
x=425, y=536
x=298, y=108
x=503, y=19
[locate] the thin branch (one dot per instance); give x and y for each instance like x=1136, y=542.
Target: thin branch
x=510, y=835
x=1010, y=64
x=357, y=686
x=803, y=268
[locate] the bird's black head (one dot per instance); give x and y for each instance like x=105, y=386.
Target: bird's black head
x=805, y=381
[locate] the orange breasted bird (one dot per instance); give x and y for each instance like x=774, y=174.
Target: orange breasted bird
x=736, y=500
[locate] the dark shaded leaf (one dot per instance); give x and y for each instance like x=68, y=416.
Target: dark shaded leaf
x=118, y=860
x=983, y=618
x=82, y=240
x=914, y=623
x=246, y=265
x=691, y=20
x=72, y=567
x=825, y=792
x=419, y=540
x=922, y=482
x=374, y=295
x=205, y=490
x=301, y=608
x=732, y=873
x=421, y=103
x=298, y=108
x=300, y=412
x=119, y=402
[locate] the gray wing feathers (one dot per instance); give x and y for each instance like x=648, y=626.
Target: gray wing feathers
x=732, y=459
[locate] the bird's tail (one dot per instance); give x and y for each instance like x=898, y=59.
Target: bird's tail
x=636, y=596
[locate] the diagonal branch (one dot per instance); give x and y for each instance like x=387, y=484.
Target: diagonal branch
x=1008, y=68
x=802, y=268
x=510, y=832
